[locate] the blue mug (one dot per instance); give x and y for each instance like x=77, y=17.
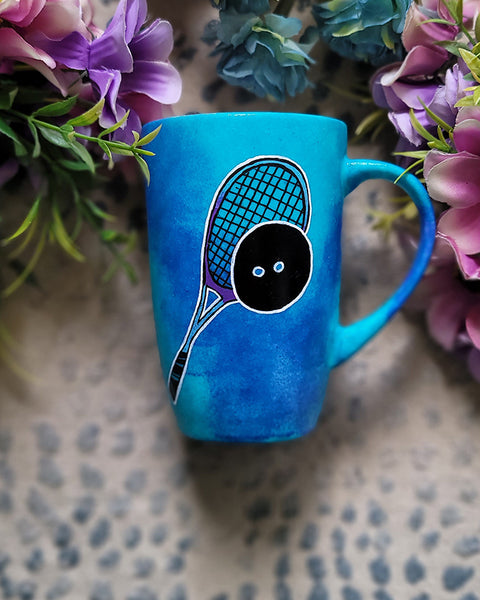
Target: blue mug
x=244, y=225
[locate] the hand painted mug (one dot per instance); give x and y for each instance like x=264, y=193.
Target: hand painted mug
x=244, y=219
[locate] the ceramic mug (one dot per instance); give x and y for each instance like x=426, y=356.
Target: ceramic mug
x=244, y=220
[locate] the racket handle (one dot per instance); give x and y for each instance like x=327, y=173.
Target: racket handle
x=176, y=374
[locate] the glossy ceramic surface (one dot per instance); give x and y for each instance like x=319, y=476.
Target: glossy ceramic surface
x=245, y=217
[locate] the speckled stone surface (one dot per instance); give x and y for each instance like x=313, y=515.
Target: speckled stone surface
x=101, y=498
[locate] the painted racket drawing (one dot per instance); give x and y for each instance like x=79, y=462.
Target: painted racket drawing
x=260, y=203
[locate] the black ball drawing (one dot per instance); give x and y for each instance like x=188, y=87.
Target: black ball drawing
x=271, y=266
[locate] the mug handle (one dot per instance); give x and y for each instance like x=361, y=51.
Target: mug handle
x=350, y=338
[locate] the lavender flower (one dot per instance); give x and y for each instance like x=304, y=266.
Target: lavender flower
x=127, y=65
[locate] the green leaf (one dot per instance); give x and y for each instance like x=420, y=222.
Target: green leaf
x=54, y=136
x=5, y=128
x=149, y=137
x=31, y=216
x=420, y=128
x=412, y=153
x=110, y=236
x=115, y=126
x=73, y=165
x=83, y=154
x=57, y=109
x=61, y=235
x=143, y=168
x=472, y=60
x=435, y=118
x=452, y=47
x=98, y=212
x=37, y=148
x=90, y=116
x=477, y=28
x=29, y=268
x=7, y=96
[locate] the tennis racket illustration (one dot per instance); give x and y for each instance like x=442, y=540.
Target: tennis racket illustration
x=263, y=205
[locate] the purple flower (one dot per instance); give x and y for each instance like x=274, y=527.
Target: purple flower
x=127, y=65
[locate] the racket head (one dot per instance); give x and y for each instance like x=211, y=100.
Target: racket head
x=262, y=189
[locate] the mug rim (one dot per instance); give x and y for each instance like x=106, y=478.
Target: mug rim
x=246, y=114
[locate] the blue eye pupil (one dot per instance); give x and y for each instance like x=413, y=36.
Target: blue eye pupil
x=278, y=266
x=258, y=271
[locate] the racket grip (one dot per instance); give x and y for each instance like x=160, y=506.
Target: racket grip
x=176, y=374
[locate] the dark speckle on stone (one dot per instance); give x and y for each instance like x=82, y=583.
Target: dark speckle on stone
x=38, y=506
x=178, y=592
x=87, y=439
x=455, y=577
x=136, y=481
x=6, y=502
x=5, y=440
x=119, y=506
x=309, y=537
x=386, y=484
x=101, y=590
x=211, y=90
x=343, y=567
x=34, y=561
x=7, y=587
x=427, y=492
x=91, y=477
x=290, y=506
x=69, y=557
x=62, y=534
x=414, y=570
x=184, y=544
x=316, y=567
x=430, y=540
x=142, y=593
x=416, y=518
x=143, y=566
x=470, y=596
x=48, y=439
x=158, y=502
x=468, y=494
x=280, y=535
x=382, y=595
x=338, y=540
x=4, y=561
x=259, y=509
x=376, y=515
x=60, y=588
x=282, y=566
x=175, y=563
x=348, y=514
x=49, y=473
x=350, y=593
x=83, y=510
x=100, y=533
x=380, y=570
x=132, y=537
x=123, y=442
x=363, y=541
x=422, y=596
x=27, y=531
x=220, y=596
x=382, y=540
x=450, y=516
x=7, y=474
x=109, y=559
x=247, y=591
x=282, y=591
x=467, y=546
x=158, y=534
x=318, y=592
x=243, y=96
x=26, y=590
x=332, y=62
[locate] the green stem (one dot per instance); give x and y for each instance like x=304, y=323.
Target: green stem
x=284, y=7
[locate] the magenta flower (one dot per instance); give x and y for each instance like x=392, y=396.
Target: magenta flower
x=127, y=65
x=452, y=308
x=20, y=12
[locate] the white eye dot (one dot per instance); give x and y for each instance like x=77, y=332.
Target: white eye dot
x=278, y=266
x=258, y=271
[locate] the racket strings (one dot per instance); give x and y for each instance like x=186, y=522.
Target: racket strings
x=266, y=192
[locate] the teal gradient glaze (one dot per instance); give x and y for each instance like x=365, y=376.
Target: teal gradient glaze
x=252, y=376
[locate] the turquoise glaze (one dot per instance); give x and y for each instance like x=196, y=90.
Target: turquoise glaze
x=244, y=219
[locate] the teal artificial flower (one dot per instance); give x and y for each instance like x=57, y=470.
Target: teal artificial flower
x=258, y=7
x=367, y=30
x=259, y=54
